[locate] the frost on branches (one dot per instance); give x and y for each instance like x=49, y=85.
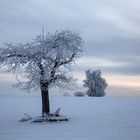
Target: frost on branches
x=95, y=83
x=44, y=61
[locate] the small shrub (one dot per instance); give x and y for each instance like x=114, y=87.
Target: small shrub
x=79, y=94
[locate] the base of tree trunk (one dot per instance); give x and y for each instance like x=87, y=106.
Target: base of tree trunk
x=47, y=118
x=50, y=119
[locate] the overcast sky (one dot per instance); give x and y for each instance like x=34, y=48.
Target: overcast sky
x=110, y=29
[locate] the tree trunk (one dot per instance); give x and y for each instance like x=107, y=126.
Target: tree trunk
x=45, y=100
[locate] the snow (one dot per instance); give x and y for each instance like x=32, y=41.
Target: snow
x=92, y=118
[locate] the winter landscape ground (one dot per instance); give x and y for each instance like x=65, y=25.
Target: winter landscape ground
x=105, y=118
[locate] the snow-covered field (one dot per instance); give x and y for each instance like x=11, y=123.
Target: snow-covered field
x=106, y=118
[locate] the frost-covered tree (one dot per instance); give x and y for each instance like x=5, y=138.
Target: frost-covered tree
x=95, y=83
x=43, y=62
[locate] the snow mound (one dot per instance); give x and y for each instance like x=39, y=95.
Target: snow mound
x=26, y=117
x=52, y=117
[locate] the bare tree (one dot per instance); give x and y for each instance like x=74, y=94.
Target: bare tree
x=44, y=61
x=95, y=83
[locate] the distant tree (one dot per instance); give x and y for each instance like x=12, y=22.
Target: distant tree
x=95, y=83
x=66, y=94
x=44, y=61
x=79, y=94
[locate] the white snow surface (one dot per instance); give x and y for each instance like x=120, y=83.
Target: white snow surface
x=92, y=118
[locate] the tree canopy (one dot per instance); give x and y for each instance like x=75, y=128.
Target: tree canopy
x=43, y=59
x=95, y=83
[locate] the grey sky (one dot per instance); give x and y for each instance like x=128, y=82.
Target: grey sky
x=110, y=28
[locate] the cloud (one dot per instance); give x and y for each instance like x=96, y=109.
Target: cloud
x=118, y=19
x=127, y=65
